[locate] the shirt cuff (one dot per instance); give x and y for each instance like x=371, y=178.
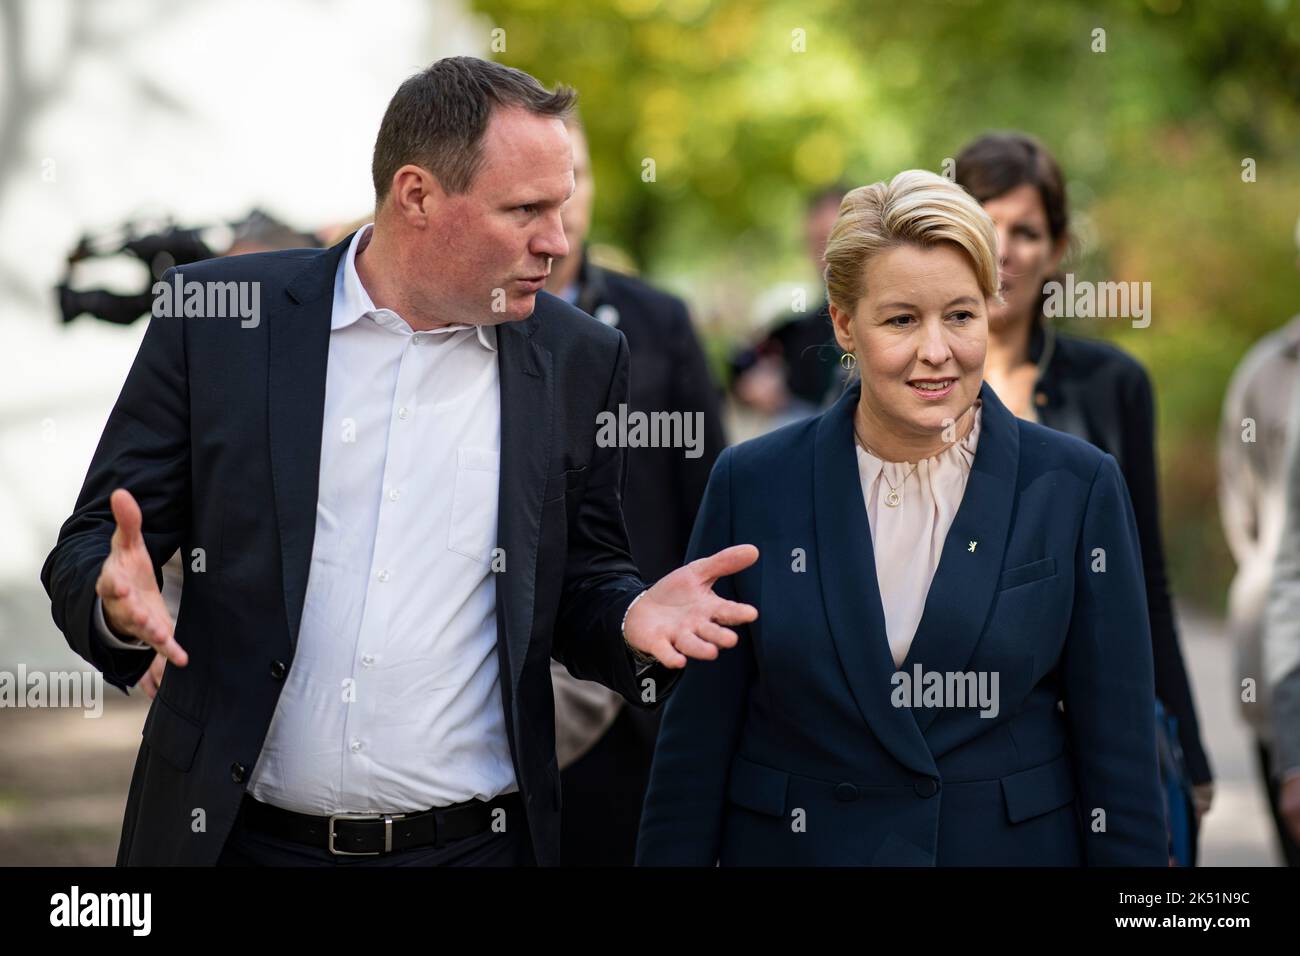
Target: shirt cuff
x=111, y=639
x=643, y=661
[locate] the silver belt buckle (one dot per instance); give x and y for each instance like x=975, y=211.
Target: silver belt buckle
x=388, y=819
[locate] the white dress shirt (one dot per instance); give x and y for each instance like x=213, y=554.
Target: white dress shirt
x=393, y=702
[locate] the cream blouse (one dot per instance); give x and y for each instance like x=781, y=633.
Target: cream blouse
x=908, y=539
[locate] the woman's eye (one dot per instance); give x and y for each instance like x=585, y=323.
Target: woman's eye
x=961, y=317
x=899, y=321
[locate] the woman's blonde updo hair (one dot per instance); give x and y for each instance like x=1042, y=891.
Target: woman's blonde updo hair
x=915, y=207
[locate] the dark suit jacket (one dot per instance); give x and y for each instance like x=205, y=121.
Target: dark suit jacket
x=806, y=343
x=788, y=750
x=217, y=434
x=604, y=789
x=669, y=373
x=1095, y=391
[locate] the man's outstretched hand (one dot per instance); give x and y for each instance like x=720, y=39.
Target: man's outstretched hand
x=127, y=587
x=680, y=617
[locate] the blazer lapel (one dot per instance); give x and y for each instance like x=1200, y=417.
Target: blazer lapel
x=850, y=589
x=527, y=408
x=965, y=583
x=299, y=335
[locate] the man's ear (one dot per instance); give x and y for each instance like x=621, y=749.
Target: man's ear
x=416, y=194
x=841, y=322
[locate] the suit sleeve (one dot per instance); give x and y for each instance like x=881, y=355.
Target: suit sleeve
x=681, y=823
x=1108, y=687
x=600, y=578
x=145, y=448
x=1140, y=474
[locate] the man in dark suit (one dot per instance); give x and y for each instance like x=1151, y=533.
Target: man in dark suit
x=793, y=371
x=605, y=748
x=383, y=468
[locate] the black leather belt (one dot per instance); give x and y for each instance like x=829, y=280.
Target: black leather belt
x=372, y=834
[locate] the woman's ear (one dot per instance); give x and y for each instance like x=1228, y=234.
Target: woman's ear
x=842, y=322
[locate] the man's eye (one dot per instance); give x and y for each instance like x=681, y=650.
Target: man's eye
x=529, y=208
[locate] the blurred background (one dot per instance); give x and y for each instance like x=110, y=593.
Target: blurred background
x=1180, y=140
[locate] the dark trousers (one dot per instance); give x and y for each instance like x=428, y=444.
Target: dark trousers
x=603, y=791
x=248, y=847
x=1273, y=787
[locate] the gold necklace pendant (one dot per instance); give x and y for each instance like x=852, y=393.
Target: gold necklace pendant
x=893, y=499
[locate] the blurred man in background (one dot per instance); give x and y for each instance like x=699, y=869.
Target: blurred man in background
x=1253, y=505
x=604, y=747
x=1282, y=640
x=791, y=372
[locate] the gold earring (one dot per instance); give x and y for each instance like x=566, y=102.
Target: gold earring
x=848, y=361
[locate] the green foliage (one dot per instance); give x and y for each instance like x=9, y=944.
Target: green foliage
x=744, y=116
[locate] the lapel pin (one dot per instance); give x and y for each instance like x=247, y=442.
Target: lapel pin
x=971, y=547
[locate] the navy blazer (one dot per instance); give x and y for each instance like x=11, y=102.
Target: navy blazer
x=789, y=749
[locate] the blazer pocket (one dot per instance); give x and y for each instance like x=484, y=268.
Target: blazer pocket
x=1038, y=790
x=171, y=734
x=757, y=788
x=1026, y=573
x=474, y=503
x=557, y=486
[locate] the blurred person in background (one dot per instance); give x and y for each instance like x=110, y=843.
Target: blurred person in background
x=1257, y=494
x=604, y=747
x=1282, y=647
x=791, y=372
x=1088, y=388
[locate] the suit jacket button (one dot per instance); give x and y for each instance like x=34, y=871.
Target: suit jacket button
x=237, y=772
x=927, y=787
x=278, y=670
x=846, y=792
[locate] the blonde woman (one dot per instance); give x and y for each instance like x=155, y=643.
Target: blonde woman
x=952, y=663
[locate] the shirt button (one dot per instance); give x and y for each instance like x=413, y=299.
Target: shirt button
x=403, y=413
x=368, y=659
x=356, y=746
x=383, y=575
x=394, y=494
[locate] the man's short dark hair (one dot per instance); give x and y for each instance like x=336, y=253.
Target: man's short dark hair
x=437, y=118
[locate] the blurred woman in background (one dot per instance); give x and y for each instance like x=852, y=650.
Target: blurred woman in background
x=1077, y=385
